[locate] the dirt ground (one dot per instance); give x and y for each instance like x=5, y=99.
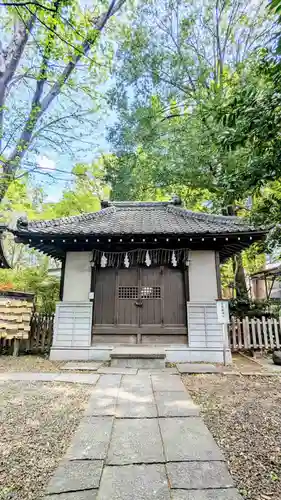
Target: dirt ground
x=40, y=364
x=37, y=421
x=28, y=364
x=245, y=364
x=244, y=415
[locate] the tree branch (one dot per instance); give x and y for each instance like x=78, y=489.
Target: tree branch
x=24, y=4
x=9, y=60
x=40, y=105
x=86, y=46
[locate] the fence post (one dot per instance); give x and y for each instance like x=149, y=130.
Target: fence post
x=239, y=333
x=233, y=333
x=247, y=338
x=265, y=338
x=271, y=340
x=254, y=337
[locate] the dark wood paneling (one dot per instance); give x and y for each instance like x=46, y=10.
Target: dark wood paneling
x=174, y=298
x=104, y=300
x=114, y=339
x=164, y=339
x=151, y=295
x=140, y=305
x=128, y=283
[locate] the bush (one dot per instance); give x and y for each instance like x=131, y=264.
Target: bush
x=255, y=308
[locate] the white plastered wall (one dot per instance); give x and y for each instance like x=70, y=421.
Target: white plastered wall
x=202, y=276
x=77, y=277
x=205, y=335
x=73, y=318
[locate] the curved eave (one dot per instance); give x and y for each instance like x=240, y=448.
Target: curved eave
x=56, y=246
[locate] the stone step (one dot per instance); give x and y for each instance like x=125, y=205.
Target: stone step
x=138, y=357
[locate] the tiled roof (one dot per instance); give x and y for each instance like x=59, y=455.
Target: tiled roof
x=139, y=218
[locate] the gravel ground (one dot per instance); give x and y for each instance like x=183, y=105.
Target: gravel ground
x=244, y=416
x=37, y=421
x=28, y=364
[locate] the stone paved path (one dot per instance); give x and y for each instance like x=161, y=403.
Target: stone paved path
x=141, y=438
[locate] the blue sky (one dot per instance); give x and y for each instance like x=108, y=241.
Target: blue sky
x=84, y=146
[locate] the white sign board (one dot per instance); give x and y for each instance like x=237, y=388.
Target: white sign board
x=223, y=312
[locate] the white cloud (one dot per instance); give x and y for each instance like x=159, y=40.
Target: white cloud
x=46, y=163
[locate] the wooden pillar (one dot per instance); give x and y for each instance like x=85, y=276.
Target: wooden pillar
x=62, y=278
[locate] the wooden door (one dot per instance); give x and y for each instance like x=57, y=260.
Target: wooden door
x=163, y=314
x=151, y=297
x=104, y=301
x=116, y=315
x=174, y=299
x=127, y=297
x=140, y=305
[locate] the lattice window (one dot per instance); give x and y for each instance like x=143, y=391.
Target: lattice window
x=151, y=292
x=128, y=292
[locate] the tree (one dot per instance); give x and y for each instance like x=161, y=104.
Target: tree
x=174, y=69
x=177, y=73
x=84, y=195
x=48, y=44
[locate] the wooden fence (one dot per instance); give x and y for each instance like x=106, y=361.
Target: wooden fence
x=40, y=336
x=254, y=333
x=244, y=334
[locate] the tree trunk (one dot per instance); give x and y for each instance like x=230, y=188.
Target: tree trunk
x=240, y=286
x=239, y=278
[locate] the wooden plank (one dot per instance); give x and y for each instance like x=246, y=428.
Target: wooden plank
x=239, y=334
x=254, y=336
x=277, y=327
x=233, y=339
x=264, y=332
x=44, y=333
x=51, y=332
x=260, y=341
x=243, y=334
x=271, y=339
x=247, y=337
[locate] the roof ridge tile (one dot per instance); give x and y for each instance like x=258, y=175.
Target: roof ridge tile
x=225, y=219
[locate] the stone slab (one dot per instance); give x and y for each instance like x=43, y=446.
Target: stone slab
x=102, y=402
x=197, y=368
x=135, y=398
x=188, y=439
x=74, y=495
x=135, y=441
x=175, y=404
x=76, y=476
x=91, y=366
x=162, y=383
x=198, y=475
x=221, y=494
x=158, y=371
x=141, y=362
x=116, y=370
x=91, y=439
x=79, y=378
x=110, y=381
x=138, y=383
x=134, y=482
x=137, y=350
x=136, y=409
